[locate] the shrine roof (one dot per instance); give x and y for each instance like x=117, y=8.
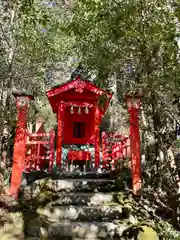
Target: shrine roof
x=79, y=91
x=78, y=84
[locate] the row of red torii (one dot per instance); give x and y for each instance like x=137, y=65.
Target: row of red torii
x=79, y=106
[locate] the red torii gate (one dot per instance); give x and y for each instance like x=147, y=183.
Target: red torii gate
x=19, y=153
x=25, y=141
x=79, y=106
x=133, y=103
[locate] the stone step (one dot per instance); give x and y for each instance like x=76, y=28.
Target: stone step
x=68, y=185
x=84, y=175
x=82, y=230
x=32, y=176
x=77, y=213
x=84, y=199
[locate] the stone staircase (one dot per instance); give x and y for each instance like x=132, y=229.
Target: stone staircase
x=74, y=206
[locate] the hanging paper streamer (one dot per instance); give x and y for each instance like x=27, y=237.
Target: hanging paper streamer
x=72, y=110
x=79, y=110
x=86, y=110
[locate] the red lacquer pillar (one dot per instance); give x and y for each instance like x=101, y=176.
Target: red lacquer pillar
x=133, y=108
x=103, y=137
x=97, y=137
x=60, y=118
x=51, y=157
x=19, y=153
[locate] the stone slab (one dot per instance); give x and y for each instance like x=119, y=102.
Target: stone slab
x=77, y=213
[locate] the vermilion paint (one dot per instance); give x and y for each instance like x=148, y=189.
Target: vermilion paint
x=79, y=95
x=19, y=153
x=135, y=148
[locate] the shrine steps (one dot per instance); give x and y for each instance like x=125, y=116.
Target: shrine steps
x=70, y=208
x=84, y=199
x=82, y=230
x=81, y=213
x=32, y=176
x=57, y=187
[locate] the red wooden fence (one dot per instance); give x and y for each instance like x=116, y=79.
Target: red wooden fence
x=114, y=147
x=40, y=151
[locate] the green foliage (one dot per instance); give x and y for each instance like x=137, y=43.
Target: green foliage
x=166, y=231
x=122, y=174
x=111, y=34
x=102, y=101
x=32, y=41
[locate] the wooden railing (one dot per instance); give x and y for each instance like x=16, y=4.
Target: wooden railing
x=39, y=151
x=114, y=147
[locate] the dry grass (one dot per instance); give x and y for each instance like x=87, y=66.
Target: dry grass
x=12, y=228
x=11, y=220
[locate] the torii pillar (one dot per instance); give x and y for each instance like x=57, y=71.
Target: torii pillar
x=60, y=119
x=19, y=154
x=133, y=103
x=97, y=137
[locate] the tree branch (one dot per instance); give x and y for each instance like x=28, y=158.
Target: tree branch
x=5, y=37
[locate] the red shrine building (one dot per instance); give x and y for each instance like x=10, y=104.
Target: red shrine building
x=79, y=106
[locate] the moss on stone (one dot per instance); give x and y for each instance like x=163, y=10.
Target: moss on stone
x=147, y=233
x=138, y=218
x=119, y=197
x=45, y=196
x=111, y=204
x=43, y=183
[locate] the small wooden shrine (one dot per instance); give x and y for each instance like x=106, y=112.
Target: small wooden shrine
x=79, y=106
